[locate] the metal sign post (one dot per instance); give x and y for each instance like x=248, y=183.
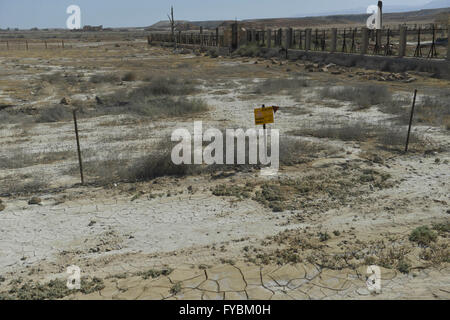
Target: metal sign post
x=264, y=116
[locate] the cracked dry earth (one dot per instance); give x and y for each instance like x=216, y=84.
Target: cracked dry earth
x=118, y=231
x=288, y=282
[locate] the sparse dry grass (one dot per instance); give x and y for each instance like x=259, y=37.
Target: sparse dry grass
x=431, y=110
x=104, y=78
x=23, y=186
x=385, y=137
x=280, y=85
x=20, y=158
x=55, y=113
x=363, y=96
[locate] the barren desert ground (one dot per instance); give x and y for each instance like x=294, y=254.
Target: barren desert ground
x=346, y=196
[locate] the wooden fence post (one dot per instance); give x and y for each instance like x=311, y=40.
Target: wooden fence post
x=333, y=39
x=402, y=43
x=269, y=38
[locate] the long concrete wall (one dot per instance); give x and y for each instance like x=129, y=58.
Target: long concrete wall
x=439, y=67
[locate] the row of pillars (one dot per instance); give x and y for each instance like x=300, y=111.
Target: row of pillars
x=202, y=39
x=268, y=37
x=288, y=38
x=276, y=38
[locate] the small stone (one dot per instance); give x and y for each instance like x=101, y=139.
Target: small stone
x=65, y=101
x=363, y=292
x=34, y=200
x=98, y=100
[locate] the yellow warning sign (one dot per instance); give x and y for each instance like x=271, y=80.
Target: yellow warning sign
x=263, y=115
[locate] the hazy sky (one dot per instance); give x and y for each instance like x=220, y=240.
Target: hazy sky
x=126, y=13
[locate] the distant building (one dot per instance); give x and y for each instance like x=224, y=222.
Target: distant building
x=93, y=28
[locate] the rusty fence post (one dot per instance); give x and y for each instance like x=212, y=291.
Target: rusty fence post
x=410, y=120
x=78, y=145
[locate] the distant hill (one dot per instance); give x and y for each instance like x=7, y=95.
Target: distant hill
x=211, y=24
x=411, y=17
x=387, y=8
x=437, y=4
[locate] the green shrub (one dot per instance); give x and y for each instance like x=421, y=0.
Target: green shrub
x=251, y=50
x=422, y=235
x=403, y=266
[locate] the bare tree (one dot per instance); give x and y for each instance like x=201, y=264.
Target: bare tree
x=172, y=24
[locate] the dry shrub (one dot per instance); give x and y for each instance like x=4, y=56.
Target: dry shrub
x=295, y=151
x=104, y=78
x=386, y=137
x=22, y=186
x=55, y=113
x=129, y=76
x=364, y=96
x=430, y=110
x=280, y=84
x=164, y=86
